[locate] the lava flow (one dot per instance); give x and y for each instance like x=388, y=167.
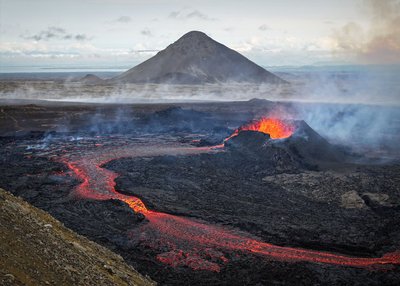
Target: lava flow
x=276, y=128
x=186, y=242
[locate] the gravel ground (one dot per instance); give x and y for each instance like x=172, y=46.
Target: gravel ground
x=36, y=249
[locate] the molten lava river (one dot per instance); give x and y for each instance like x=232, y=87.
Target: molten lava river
x=190, y=242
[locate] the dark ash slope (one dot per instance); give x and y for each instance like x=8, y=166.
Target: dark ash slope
x=195, y=58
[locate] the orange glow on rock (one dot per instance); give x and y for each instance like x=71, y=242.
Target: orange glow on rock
x=188, y=242
x=276, y=128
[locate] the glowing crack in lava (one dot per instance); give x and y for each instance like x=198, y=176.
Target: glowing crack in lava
x=276, y=128
x=182, y=241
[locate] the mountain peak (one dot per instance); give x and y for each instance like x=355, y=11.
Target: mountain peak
x=194, y=41
x=194, y=35
x=195, y=58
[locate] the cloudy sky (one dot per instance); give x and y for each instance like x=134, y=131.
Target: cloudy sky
x=122, y=33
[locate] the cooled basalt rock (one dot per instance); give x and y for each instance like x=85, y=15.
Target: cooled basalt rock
x=304, y=146
x=248, y=140
x=311, y=146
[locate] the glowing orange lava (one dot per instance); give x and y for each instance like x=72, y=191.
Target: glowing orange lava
x=276, y=128
x=190, y=242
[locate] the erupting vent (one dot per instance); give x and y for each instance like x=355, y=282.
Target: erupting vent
x=182, y=241
x=276, y=128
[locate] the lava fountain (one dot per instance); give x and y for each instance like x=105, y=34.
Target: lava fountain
x=276, y=128
x=181, y=241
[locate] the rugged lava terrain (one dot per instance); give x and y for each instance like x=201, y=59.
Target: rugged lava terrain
x=254, y=211
x=276, y=199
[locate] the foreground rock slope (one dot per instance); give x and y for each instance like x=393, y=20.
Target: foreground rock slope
x=36, y=249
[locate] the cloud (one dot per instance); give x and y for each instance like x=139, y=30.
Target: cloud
x=378, y=44
x=146, y=32
x=186, y=14
x=264, y=27
x=197, y=14
x=49, y=33
x=55, y=33
x=81, y=37
x=285, y=49
x=329, y=22
x=123, y=19
x=54, y=50
x=14, y=48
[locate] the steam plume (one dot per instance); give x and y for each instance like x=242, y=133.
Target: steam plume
x=380, y=42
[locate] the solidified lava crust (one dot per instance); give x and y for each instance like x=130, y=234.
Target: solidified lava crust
x=192, y=243
x=214, y=249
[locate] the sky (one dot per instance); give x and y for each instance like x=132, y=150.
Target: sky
x=123, y=33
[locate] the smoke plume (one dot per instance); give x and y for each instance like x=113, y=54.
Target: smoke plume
x=377, y=44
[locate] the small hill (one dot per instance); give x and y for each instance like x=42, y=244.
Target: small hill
x=195, y=58
x=36, y=249
x=90, y=79
x=305, y=147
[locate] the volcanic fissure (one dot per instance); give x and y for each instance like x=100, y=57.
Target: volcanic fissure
x=191, y=242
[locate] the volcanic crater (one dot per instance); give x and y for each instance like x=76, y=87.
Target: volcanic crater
x=273, y=195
